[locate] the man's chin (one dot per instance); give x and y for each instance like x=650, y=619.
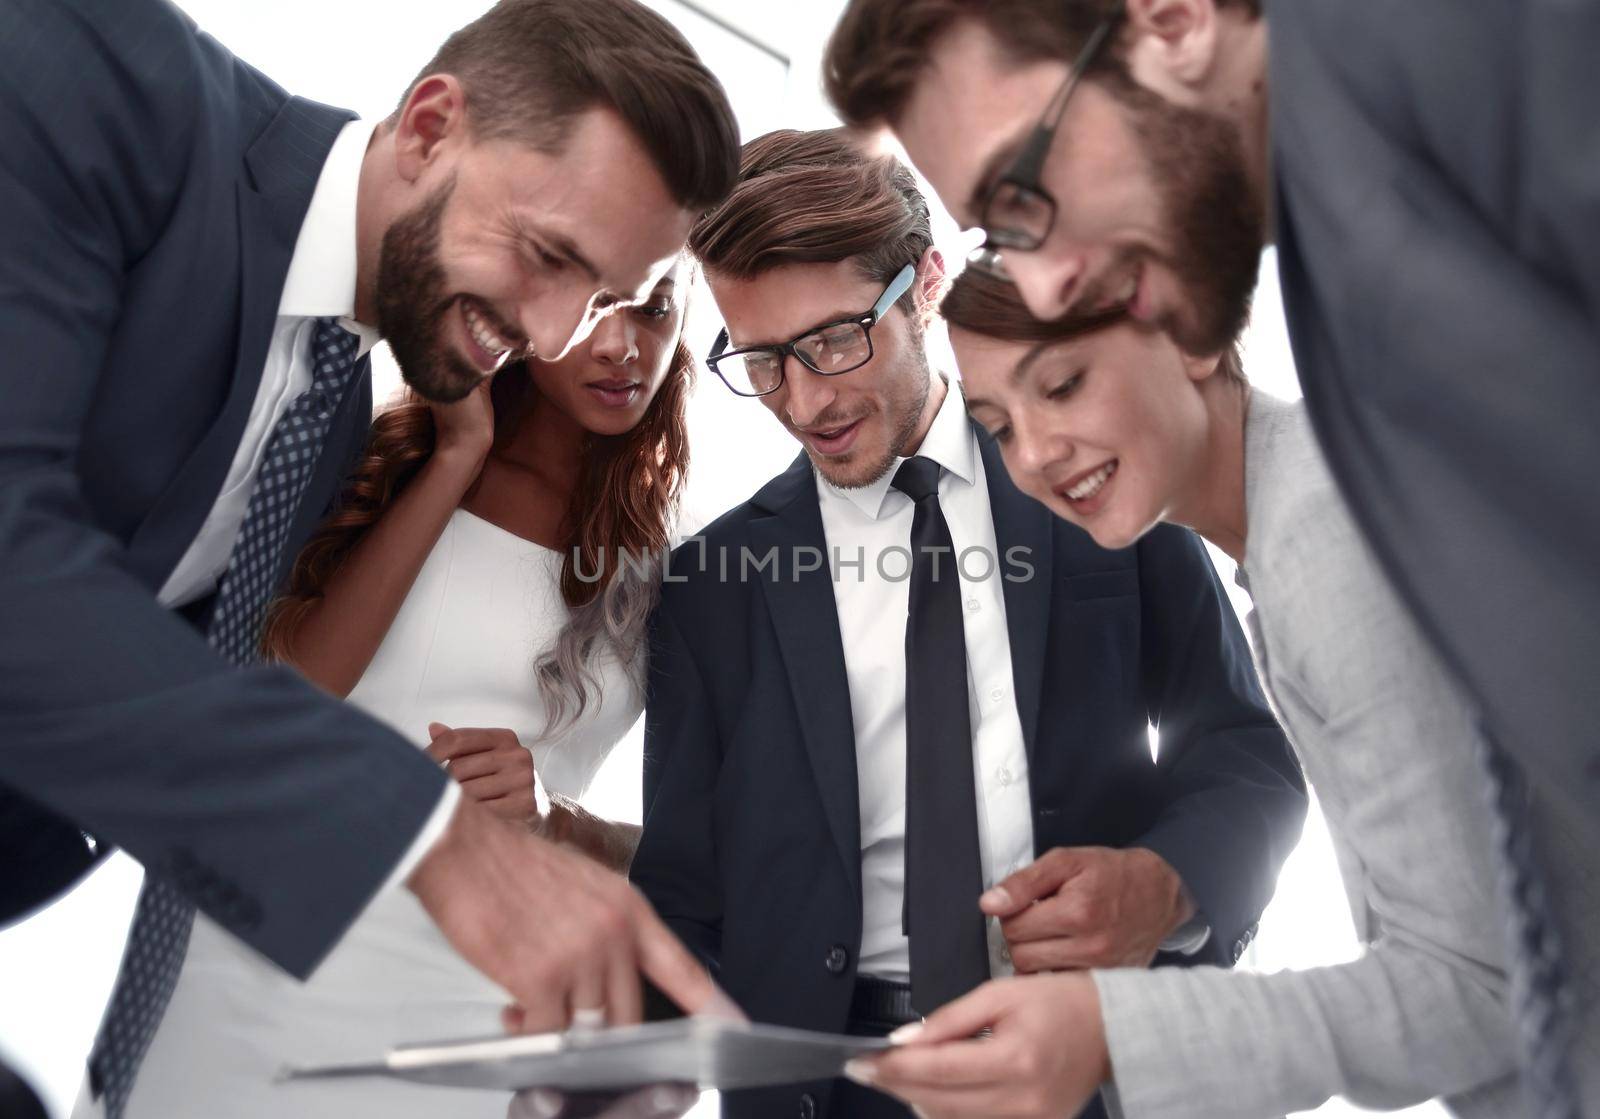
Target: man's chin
x=1210, y=330
x=850, y=472
x=440, y=380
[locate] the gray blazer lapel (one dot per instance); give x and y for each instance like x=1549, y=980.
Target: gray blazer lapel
x=1022, y=523
x=806, y=619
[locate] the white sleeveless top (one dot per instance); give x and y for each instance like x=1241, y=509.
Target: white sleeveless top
x=461, y=652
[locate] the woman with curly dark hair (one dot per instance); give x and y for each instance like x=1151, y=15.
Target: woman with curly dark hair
x=482, y=586
x=573, y=466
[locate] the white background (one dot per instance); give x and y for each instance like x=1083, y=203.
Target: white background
x=56, y=970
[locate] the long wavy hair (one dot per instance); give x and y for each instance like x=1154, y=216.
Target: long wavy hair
x=616, y=531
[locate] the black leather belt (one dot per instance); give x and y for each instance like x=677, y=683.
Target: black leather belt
x=881, y=1003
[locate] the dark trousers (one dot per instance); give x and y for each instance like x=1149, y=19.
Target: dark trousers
x=850, y=1100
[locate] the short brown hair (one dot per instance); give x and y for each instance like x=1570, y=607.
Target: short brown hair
x=991, y=307
x=529, y=67
x=880, y=47
x=815, y=198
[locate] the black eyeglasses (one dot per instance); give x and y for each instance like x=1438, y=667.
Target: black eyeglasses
x=830, y=349
x=1019, y=213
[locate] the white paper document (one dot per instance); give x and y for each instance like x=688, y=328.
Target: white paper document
x=706, y=1052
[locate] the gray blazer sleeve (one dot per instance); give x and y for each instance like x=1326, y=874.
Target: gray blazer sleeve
x=1390, y=745
x=277, y=809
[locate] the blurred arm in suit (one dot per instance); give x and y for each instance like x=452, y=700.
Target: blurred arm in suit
x=1231, y=799
x=1561, y=130
x=1236, y=799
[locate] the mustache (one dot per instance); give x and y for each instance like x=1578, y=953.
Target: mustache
x=828, y=421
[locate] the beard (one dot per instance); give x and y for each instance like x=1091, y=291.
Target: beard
x=912, y=383
x=1213, y=216
x=412, y=301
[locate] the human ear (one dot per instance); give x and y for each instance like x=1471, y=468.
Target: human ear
x=1202, y=368
x=929, y=285
x=434, y=114
x=1172, y=46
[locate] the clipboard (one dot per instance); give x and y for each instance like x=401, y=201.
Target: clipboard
x=709, y=1053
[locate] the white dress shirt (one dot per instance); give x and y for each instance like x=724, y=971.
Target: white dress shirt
x=868, y=534
x=321, y=282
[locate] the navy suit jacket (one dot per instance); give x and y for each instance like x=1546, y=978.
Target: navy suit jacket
x=751, y=848
x=152, y=190
x=1438, y=201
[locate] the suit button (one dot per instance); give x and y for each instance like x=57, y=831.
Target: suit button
x=808, y=1106
x=837, y=959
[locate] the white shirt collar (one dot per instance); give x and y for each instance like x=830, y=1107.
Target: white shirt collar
x=950, y=442
x=322, y=273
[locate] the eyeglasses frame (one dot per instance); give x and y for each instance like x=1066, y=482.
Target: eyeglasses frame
x=1026, y=170
x=868, y=319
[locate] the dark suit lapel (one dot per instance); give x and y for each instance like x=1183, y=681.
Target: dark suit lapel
x=806, y=618
x=1022, y=523
x=281, y=168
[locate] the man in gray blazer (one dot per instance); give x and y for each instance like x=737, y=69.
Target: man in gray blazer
x=1428, y=176
x=1386, y=736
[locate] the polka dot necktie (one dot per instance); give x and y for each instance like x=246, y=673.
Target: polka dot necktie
x=159, y=935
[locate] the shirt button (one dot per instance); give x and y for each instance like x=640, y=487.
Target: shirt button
x=837, y=959
x=973, y=606
x=1005, y=952
x=997, y=694
x=1004, y=777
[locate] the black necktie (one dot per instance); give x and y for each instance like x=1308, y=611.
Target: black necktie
x=944, y=870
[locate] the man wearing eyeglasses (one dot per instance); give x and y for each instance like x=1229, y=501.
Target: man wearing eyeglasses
x=897, y=727
x=1428, y=175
